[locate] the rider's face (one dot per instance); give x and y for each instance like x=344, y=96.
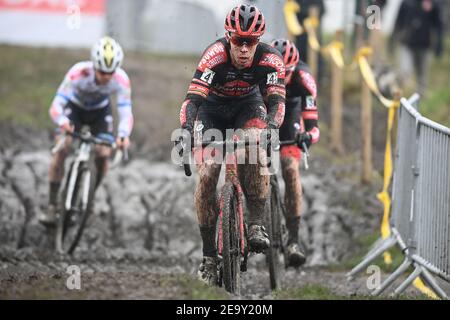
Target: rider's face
x=242, y=51
x=103, y=78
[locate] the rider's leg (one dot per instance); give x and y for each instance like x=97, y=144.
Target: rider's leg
x=102, y=154
x=208, y=169
x=55, y=175
x=290, y=164
x=254, y=173
x=255, y=180
x=56, y=170
x=290, y=168
x=206, y=206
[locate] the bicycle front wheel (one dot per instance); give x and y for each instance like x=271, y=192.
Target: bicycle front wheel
x=274, y=227
x=77, y=201
x=231, y=253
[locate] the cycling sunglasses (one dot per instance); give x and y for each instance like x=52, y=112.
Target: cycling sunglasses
x=240, y=41
x=105, y=73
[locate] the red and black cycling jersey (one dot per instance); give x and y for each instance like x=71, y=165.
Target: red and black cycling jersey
x=216, y=75
x=302, y=86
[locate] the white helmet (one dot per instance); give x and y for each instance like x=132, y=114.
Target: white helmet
x=107, y=55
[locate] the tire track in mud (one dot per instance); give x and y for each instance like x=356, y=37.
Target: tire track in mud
x=144, y=222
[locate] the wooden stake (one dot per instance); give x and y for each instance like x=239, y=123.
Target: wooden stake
x=337, y=144
x=313, y=55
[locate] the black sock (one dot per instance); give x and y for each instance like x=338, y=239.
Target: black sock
x=208, y=234
x=256, y=207
x=292, y=224
x=53, y=192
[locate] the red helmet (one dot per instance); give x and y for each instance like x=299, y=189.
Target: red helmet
x=245, y=21
x=288, y=50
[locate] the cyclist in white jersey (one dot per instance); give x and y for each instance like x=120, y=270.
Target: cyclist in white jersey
x=83, y=98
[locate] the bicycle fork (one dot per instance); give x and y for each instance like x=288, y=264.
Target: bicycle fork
x=81, y=158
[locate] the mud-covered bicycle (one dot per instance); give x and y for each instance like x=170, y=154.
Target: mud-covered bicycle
x=231, y=237
x=232, y=229
x=79, y=189
x=276, y=254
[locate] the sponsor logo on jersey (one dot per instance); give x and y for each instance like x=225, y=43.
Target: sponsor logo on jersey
x=274, y=61
x=214, y=56
x=234, y=88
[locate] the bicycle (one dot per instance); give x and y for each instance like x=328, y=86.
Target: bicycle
x=275, y=224
x=231, y=239
x=78, y=193
x=232, y=231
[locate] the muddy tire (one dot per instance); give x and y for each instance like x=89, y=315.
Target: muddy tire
x=231, y=253
x=71, y=222
x=274, y=226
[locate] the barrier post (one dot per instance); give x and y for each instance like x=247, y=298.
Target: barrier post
x=336, y=103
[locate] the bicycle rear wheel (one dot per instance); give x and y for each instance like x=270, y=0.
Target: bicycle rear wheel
x=231, y=253
x=72, y=221
x=274, y=226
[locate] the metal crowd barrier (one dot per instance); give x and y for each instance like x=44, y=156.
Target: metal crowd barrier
x=420, y=219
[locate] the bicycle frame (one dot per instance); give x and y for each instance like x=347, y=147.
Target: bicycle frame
x=82, y=156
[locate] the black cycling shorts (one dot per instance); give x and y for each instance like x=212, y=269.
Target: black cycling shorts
x=100, y=121
x=222, y=114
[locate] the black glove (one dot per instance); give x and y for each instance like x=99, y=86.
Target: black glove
x=304, y=138
x=183, y=139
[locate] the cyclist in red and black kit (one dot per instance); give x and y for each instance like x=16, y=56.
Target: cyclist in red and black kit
x=301, y=113
x=224, y=93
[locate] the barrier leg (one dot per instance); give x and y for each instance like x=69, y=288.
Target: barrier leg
x=397, y=273
x=372, y=255
x=407, y=282
x=428, y=278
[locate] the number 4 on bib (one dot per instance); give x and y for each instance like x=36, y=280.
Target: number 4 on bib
x=208, y=76
x=272, y=78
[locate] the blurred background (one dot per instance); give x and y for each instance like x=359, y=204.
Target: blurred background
x=176, y=26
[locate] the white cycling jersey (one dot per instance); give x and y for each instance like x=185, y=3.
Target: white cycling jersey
x=80, y=88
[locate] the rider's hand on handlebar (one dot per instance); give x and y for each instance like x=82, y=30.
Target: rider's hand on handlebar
x=304, y=138
x=123, y=142
x=185, y=139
